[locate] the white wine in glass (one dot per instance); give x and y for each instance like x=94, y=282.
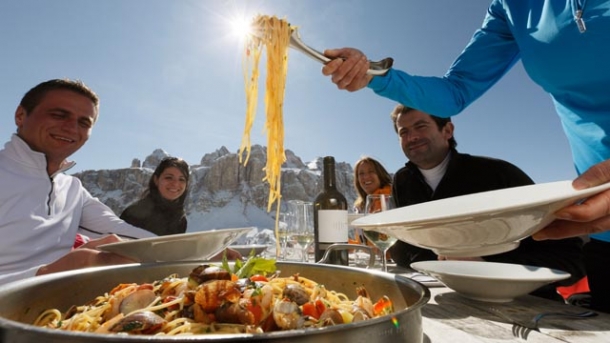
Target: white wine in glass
x=376, y=203
x=300, y=228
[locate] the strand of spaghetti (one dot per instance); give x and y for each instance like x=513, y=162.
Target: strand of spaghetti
x=274, y=35
x=179, y=326
x=161, y=306
x=47, y=317
x=253, y=50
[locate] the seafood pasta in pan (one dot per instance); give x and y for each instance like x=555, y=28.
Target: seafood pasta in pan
x=250, y=298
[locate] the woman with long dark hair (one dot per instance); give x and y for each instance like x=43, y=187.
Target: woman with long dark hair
x=161, y=208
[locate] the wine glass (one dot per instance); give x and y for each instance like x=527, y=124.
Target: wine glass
x=283, y=236
x=377, y=203
x=300, y=226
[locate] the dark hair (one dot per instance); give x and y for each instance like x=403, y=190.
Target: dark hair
x=383, y=175
x=167, y=162
x=440, y=122
x=32, y=98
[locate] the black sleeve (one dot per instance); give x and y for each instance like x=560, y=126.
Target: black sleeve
x=183, y=224
x=404, y=254
x=129, y=216
x=563, y=254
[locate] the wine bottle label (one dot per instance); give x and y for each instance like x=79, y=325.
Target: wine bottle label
x=332, y=226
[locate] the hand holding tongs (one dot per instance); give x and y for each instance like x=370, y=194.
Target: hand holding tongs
x=375, y=67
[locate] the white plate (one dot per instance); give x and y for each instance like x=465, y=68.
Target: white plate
x=478, y=224
x=180, y=247
x=489, y=281
x=353, y=216
x=245, y=250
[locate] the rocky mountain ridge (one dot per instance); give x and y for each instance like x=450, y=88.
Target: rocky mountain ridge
x=223, y=193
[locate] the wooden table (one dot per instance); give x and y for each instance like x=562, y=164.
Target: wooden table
x=449, y=317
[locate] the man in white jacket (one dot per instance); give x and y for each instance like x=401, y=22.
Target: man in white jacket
x=41, y=208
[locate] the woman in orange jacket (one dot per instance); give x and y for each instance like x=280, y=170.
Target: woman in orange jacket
x=370, y=177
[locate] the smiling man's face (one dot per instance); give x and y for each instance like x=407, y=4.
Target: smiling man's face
x=422, y=141
x=58, y=126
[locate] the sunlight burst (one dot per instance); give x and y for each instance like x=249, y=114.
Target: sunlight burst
x=241, y=27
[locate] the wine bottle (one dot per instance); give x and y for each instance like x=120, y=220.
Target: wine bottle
x=330, y=217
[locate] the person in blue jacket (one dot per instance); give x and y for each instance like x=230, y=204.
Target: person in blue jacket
x=564, y=46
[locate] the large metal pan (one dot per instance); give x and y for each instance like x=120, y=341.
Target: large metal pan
x=22, y=301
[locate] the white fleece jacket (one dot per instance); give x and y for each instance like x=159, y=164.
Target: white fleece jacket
x=40, y=215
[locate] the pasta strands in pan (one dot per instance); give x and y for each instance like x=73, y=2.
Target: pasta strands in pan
x=197, y=305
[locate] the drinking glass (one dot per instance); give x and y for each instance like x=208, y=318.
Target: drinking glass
x=300, y=226
x=376, y=203
x=283, y=236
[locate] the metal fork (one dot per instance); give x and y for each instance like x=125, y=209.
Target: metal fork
x=578, y=315
x=523, y=328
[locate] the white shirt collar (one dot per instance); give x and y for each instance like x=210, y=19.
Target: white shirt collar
x=434, y=175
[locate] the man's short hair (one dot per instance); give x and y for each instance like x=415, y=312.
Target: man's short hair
x=440, y=122
x=32, y=98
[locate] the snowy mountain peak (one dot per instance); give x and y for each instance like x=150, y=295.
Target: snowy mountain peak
x=223, y=193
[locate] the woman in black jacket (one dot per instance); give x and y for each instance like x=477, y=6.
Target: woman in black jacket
x=161, y=208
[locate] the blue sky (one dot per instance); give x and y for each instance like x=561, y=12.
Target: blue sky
x=169, y=76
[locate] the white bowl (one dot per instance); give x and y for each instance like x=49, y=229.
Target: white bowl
x=353, y=216
x=478, y=224
x=196, y=246
x=489, y=281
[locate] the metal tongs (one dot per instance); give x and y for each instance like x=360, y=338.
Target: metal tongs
x=375, y=67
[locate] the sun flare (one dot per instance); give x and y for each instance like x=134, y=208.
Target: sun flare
x=241, y=27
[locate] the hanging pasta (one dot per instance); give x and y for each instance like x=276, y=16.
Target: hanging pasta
x=273, y=35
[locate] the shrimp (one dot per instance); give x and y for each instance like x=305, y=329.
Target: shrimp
x=262, y=296
x=364, y=303
x=235, y=313
x=287, y=315
x=212, y=294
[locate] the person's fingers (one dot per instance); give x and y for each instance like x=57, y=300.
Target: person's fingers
x=590, y=216
x=360, y=80
x=334, y=53
x=560, y=229
x=94, y=243
x=348, y=68
x=595, y=207
x=103, y=258
x=83, y=258
x=350, y=74
x=332, y=66
x=594, y=176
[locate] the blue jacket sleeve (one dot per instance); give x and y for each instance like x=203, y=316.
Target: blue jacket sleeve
x=491, y=52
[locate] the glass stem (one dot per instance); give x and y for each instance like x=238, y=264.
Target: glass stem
x=283, y=245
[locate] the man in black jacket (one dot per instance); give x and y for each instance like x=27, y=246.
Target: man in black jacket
x=436, y=170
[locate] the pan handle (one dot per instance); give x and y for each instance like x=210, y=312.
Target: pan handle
x=345, y=246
